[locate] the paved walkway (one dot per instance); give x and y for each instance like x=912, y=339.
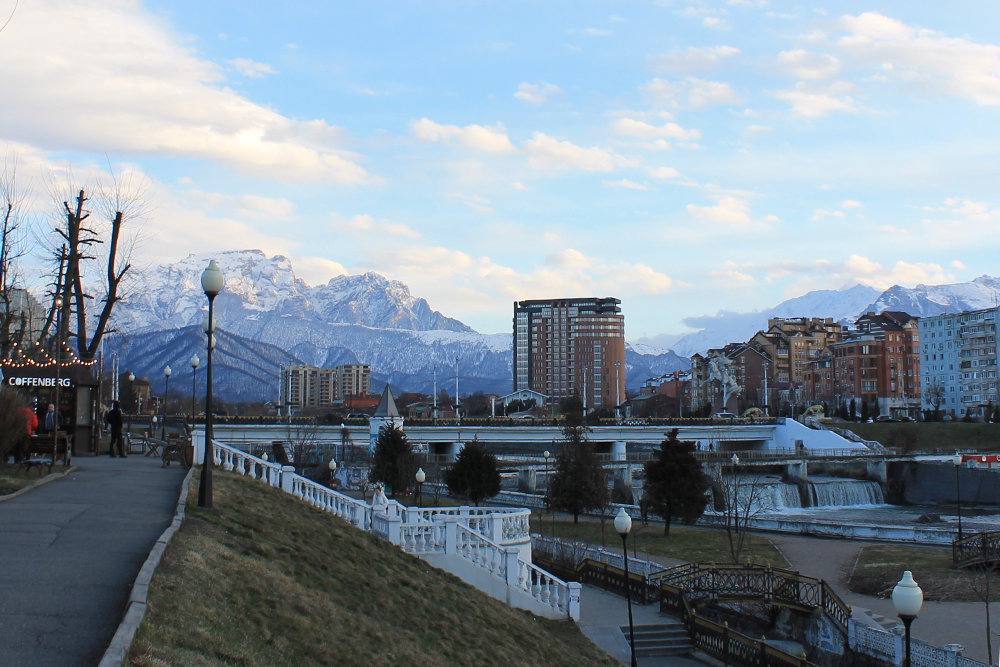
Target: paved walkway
x=71, y=550
x=601, y=616
x=939, y=622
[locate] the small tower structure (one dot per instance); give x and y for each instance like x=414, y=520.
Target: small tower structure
x=386, y=413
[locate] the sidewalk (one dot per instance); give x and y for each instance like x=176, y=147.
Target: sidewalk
x=71, y=551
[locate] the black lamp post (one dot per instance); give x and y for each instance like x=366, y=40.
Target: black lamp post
x=194, y=361
x=957, y=460
x=548, y=499
x=166, y=393
x=623, y=524
x=907, y=598
x=420, y=477
x=55, y=415
x=212, y=281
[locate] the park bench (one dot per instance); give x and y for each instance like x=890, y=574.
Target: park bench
x=142, y=442
x=41, y=451
x=173, y=450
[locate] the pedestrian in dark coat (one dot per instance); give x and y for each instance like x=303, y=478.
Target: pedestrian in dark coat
x=114, y=420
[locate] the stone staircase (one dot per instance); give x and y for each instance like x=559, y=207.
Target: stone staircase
x=668, y=638
x=875, y=620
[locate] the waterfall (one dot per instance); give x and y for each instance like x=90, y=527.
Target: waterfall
x=844, y=492
x=777, y=497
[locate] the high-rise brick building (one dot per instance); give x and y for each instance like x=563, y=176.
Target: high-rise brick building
x=571, y=347
x=305, y=386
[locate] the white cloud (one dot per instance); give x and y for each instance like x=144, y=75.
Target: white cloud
x=973, y=210
x=545, y=152
x=691, y=92
x=731, y=276
x=729, y=210
x=664, y=173
x=537, y=94
x=855, y=269
x=490, y=139
x=248, y=206
x=643, y=130
x=813, y=102
x=143, y=91
x=368, y=225
x=694, y=58
x=851, y=203
x=569, y=258
x=924, y=57
x=807, y=65
x=756, y=130
x=248, y=67
x=624, y=183
x=477, y=203
x=820, y=213
x=715, y=22
x=597, y=32
x=958, y=265
x=517, y=185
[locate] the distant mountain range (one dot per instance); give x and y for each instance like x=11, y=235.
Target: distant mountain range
x=267, y=318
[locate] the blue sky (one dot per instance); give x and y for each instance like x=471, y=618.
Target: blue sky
x=686, y=157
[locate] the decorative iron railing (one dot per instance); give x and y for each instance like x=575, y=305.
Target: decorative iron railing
x=978, y=548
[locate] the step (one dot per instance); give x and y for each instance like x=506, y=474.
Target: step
x=659, y=639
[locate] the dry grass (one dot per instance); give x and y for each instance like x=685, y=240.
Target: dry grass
x=695, y=545
x=931, y=436
x=879, y=567
x=268, y=580
x=12, y=481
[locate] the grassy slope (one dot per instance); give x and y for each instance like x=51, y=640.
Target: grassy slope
x=11, y=481
x=946, y=436
x=880, y=567
x=697, y=545
x=268, y=580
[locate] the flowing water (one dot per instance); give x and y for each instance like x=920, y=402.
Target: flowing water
x=773, y=495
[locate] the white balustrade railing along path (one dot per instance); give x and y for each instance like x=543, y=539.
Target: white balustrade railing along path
x=889, y=647
x=487, y=538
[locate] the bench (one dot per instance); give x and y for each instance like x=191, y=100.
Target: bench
x=173, y=450
x=39, y=452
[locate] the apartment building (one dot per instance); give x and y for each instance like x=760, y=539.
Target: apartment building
x=571, y=347
x=304, y=386
x=959, y=360
x=749, y=366
x=791, y=343
x=878, y=362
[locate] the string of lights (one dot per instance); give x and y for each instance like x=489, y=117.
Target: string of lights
x=25, y=358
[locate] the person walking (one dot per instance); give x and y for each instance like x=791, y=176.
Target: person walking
x=114, y=420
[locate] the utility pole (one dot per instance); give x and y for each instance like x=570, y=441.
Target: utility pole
x=618, y=398
x=456, y=387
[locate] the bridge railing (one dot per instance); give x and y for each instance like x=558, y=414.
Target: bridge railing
x=981, y=547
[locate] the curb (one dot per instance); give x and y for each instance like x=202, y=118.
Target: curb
x=136, y=609
x=44, y=480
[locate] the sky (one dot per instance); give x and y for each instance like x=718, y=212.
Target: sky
x=685, y=157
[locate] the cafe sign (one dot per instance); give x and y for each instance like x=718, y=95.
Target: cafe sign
x=42, y=383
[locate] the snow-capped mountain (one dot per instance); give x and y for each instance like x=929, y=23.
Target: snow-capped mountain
x=728, y=327
x=926, y=300
x=260, y=291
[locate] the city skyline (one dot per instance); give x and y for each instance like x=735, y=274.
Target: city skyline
x=626, y=149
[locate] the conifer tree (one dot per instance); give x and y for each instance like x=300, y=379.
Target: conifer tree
x=474, y=475
x=578, y=483
x=394, y=462
x=675, y=483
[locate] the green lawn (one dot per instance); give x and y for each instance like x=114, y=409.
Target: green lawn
x=696, y=545
x=944, y=436
x=879, y=567
x=11, y=481
x=269, y=580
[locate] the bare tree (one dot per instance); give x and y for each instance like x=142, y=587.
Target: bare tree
x=15, y=301
x=935, y=395
x=743, y=500
x=106, y=241
x=983, y=585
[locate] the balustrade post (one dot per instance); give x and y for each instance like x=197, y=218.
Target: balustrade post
x=451, y=534
x=574, y=599
x=286, y=478
x=510, y=555
x=394, y=523
x=495, y=533
x=898, y=648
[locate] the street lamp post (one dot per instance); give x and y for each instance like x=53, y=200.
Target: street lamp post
x=194, y=361
x=420, y=477
x=166, y=393
x=457, y=417
x=548, y=499
x=55, y=415
x=333, y=471
x=618, y=397
x=907, y=598
x=957, y=461
x=623, y=524
x=212, y=281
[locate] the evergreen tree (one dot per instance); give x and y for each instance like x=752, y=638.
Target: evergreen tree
x=853, y=410
x=394, y=462
x=578, y=482
x=864, y=411
x=675, y=484
x=474, y=475
x=826, y=409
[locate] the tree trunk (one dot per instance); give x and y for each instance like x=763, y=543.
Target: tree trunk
x=989, y=640
x=576, y=518
x=666, y=521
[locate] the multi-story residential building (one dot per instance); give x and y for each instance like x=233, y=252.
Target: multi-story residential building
x=959, y=359
x=818, y=382
x=791, y=343
x=674, y=385
x=571, y=347
x=876, y=364
x=749, y=366
x=304, y=386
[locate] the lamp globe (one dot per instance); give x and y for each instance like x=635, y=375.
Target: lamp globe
x=623, y=522
x=333, y=465
x=957, y=459
x=421, y=475
x=212, y=279
x=907, y=598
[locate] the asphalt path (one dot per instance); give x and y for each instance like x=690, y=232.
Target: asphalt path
x=70, y=551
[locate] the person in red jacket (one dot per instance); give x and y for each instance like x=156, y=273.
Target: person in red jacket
x=30, y=420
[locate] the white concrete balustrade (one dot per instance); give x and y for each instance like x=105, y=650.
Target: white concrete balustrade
x=487, y=547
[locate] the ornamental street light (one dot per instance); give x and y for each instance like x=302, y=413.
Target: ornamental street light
x=957, y=461
x=166, y=392
x=333, y=471
x=907, y=598
x=55, y=415
x=420, y=477
x=618, y=398
x=212, y=282
x=194, y=361
x=623, y=524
